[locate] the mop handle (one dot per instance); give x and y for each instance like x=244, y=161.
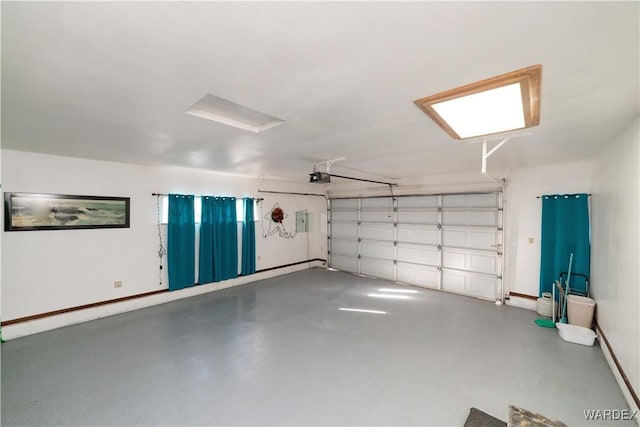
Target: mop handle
x=566, y=290
x=569, y=273
x=554, y=308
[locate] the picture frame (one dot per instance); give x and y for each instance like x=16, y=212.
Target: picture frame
x=38, y=211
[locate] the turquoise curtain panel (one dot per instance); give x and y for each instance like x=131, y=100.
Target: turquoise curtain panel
x=248, y=238
x=218, y=240
x=565, y=230
x=181, y=248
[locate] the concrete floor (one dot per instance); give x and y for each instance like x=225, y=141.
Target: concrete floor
x=280, y=352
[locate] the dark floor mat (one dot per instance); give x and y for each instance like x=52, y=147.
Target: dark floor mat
x=477, y=418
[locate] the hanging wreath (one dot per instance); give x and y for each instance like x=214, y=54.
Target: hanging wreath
x=274, y=220
x=277, y=215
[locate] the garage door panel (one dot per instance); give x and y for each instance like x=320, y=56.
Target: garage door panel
x=377, y=216
x=470, y=218
x=453, y=281
x=483, y=286
x=376, y=250
x=345, y=263
x=483, y=263
x=351, y=216
x=460, y=255
x=344, y=247
x=417, y=217
x=476, y=285
x=454, y=238
x=482, y=239
x=418, y=275
x=418, y=254
x=344, y=230
x=377, y=232
x=378, y=203
x=377, y=268
x=418, y=202
x=469, y=238
x=454, y=259
x=344, y=204
x=470, y=200
x=469, y=260
x=418, y=234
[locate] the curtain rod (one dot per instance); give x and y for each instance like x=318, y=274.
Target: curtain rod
x=540, y=197
x=163, y=194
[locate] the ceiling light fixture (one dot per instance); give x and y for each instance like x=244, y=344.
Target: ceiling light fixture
x=223, y=111
x=499, y=104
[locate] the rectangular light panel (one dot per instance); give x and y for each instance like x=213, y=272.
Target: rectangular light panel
x=483, y=113
x=499, y=104
x=223, y=111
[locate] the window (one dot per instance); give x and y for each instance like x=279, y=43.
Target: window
x=197, y=209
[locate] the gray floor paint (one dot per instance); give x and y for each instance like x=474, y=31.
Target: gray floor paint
x=280, y=352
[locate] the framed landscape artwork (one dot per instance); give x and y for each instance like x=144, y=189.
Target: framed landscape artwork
x=32, y=211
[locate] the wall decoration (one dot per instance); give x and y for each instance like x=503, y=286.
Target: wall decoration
x=31, y=211
x=274, y=220
x=277, y=215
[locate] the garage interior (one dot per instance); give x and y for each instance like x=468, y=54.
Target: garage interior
x=389, y=266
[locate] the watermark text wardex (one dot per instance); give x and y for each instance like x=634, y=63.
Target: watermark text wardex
x=610, y=414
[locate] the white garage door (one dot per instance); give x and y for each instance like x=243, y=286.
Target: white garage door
x=450, y=242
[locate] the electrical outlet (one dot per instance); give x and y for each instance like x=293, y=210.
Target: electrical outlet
x=531, y=240
x=259, y=257
x=117, y=284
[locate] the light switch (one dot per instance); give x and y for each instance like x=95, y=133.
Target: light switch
x=531, y=240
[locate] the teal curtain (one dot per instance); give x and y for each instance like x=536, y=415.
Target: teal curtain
x=207, y=231
x=181, y=245
x=248, y=238
x=565, y=230
x=218, y=240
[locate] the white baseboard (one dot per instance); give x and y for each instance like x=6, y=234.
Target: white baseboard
x=618, y=376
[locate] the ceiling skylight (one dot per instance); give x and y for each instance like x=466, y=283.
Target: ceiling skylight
x=223, y=111
x=504, y=103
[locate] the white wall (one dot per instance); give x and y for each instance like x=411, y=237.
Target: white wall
x=615, y=277
x=275, y=250
x=44, y=271
x=525, y=217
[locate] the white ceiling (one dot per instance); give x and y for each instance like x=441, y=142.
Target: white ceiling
x=111, y=81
